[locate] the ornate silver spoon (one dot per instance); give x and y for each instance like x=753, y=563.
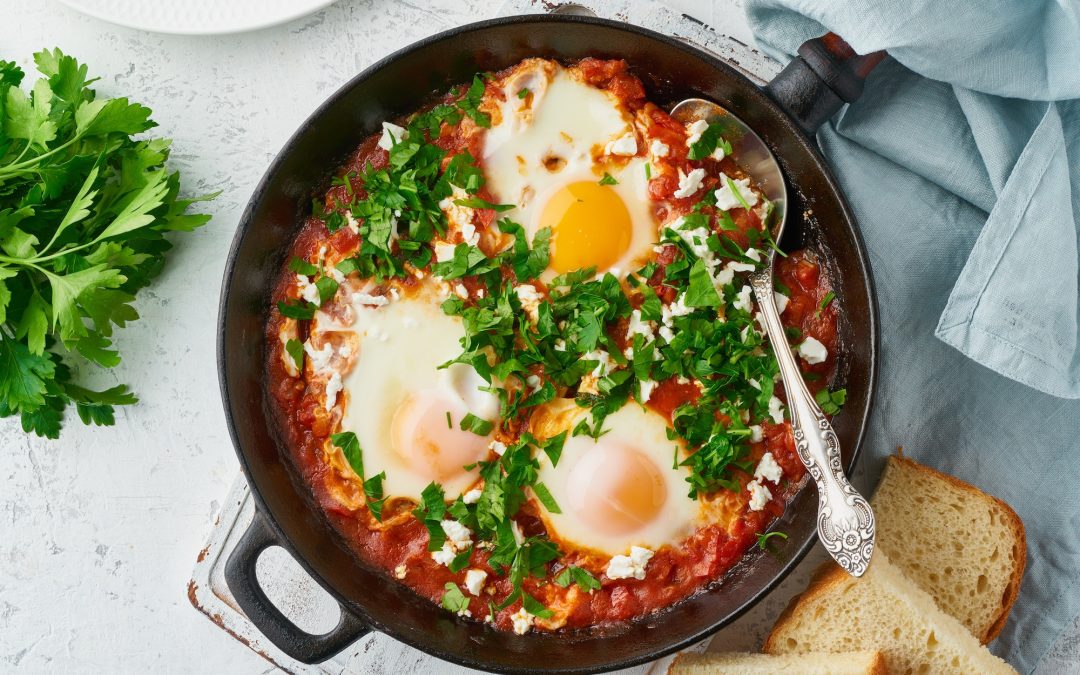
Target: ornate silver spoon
x=845, y=522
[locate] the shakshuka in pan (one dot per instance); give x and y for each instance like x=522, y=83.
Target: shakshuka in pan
x=515, y=356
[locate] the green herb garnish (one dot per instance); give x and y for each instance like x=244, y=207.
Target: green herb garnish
x=831, y=402
x=453, y=599
x=608, y=179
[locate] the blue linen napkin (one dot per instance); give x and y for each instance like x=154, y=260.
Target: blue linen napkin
x=962, y=164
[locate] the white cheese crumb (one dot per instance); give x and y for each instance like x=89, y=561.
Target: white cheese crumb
x=530, y=299
x=308, y=291
x=445, y=555
x=776, y=410
x=625, y=146
x=320, y=358
x=368, y=299
x=718, y=153
x=461, y=291
x=498, y=447
x=605, y=363
x=694, y=131
x=742, y=301
x=659, y=148
x=469, y=233
x=444, y=252
x=753, y=254
x=759, y=495
x=457, y=534
x=668, y=313
x=666, y=333
x=533, y=382
x=781, y=301
x=472, y=496
x=391, y=134
x=523, y=621
x=639, y=327
x=474, y=581
x=646, y=389
x=560, y=345
x=400, y=571
x=466, y=612
x=333, y=388
x=752, y=381
x=727, y=200
x=697, y=239
x=768, y=469
x=350, y=220
x=336, y=274
x=756, y=435
x=626, y=566
x=736, y=266
x=813, y=351
x=689, y=183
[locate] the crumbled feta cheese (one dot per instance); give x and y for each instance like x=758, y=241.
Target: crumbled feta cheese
x=723, y=277
x=308, y=291
x=718, y=153
x=659, y=148
x=333, y=388
x=759, y=495
x=742, y=300
x=776, y=410
x=646, y=388
x=350, y=221
x=697, y=239
x=560, y=345
x=533, y=382
x=444, y=251
x=689, y=183
x=472, y=496
x=639, y=327
x=768, y=469
x=320, y=358
x=666, y=333
x=669, y=312
x=469, y=233
x=530, y=299
x=392, y=134
x=445, y=555
x=466, y=612
x=461, y=291
x=753, y=254
x=626, y=566
x=752, y=381
x=457, y=534
x=400, y=571
x=523, y=621
x=756, y=435
x=727, y=200
x=368, y=299
x=474, y=581
x=813, y=351
x=605, y=363
x=781, y=301
x=625, y=146
x=498, y=447
x=736, y=266
x=694, y=131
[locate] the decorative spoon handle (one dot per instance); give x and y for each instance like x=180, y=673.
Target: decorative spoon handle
x=845, y=521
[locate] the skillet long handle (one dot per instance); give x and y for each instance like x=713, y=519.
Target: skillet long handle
x=825, y=75
x=243, y=582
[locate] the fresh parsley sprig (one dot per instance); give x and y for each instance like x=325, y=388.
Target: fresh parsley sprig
x=85, y=208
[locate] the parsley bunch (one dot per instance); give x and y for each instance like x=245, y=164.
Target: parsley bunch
x=84, y=210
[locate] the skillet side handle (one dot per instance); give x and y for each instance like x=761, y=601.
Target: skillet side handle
x=244, y=584
x=825, y=75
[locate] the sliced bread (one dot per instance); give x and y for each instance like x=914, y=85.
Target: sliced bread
x=883, y=610
x=959, y=544
x=735, y=663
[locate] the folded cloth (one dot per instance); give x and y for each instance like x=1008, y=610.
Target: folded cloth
x=962, y=164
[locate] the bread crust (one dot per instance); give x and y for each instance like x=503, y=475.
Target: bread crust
x=1012, y=522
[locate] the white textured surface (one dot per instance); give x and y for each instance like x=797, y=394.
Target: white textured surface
x=197, y=17
x=99, y=531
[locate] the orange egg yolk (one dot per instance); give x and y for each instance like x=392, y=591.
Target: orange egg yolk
x=429, y=446
x=616, y=489
x=590, y=226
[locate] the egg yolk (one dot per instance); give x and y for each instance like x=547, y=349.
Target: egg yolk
x=590, y=226
x=429, y=446
x=616, y=489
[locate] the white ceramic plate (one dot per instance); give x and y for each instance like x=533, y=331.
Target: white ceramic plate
x=197, y=17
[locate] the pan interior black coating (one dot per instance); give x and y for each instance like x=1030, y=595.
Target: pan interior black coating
x=819, y=218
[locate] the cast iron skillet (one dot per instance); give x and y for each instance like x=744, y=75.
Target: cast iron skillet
x=805, y=94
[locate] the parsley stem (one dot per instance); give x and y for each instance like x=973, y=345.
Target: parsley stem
x=18, y=167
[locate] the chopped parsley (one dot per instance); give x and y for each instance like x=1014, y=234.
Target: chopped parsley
x=579, y=576
x=710, y=140
x=763, y=538
x=453, y=599
x=608, y=179
x=523, y=92
x=825, y=302
x=831, y=402
x=295, y=350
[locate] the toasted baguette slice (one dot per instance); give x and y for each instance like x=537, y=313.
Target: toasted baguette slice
x=883, y=610
x=735, y=663
x=959, y=544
